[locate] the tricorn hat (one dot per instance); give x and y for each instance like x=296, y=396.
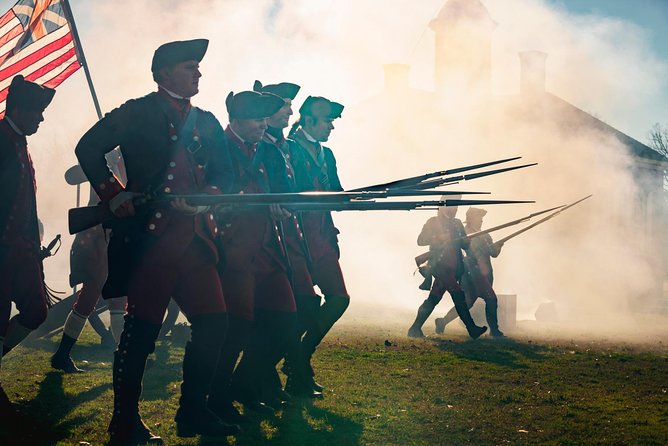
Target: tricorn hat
x=285, y=90
x=252, y=105
x=172, y=53
x=475, y=213
x=320, y=107
x=28, y=95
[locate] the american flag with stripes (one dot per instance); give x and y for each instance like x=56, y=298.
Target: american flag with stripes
x=36, y=41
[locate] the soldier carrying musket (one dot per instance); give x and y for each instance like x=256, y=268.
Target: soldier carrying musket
x=21, y=272
x=446, y=238
x=278, y=159
x=315, y=170
x=478, y=274
x=164, y=249
x=255, y=281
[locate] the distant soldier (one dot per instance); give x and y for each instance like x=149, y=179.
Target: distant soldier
x=255, y=282
x=446, y=238
x=88, y=266
x=478, y=274
x=21, y=272
x=282, y=179
x=315, y=170
x=162, y=249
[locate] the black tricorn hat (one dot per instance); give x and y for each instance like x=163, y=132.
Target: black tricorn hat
x=28, y=95
x=252, y=105
x=169, y=54
x=285, y=90
x=320, y=107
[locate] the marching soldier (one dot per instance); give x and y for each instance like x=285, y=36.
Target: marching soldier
x=88, y=267
x=446, y=238
x=282, y=179
x=165, y=248
x=315, y=170
x=21, y=273
x=255, y=283
x=478, y=274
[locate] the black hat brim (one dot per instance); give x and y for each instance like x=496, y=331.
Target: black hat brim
x=173, y=53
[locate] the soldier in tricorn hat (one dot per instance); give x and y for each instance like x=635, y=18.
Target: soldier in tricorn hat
x=446, y=238
x=282, y=179
x=478, y=275
x=21, y=273
x=162, y=249
x=315, y=170
x=254, y=263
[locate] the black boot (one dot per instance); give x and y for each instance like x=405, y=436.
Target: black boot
x=330, y=312
x=199, y=365
x=137, y=342
x=424, y=311
x=491, y=308
x=459, y=299
x=220, y=400
x=61, y=359
x=300, y=382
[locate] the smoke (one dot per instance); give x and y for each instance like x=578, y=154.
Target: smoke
x=592, y=260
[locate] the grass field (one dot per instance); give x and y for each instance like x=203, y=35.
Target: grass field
x=439, y=391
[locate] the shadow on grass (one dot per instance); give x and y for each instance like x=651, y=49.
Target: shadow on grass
x=301, y=424
x=504, y=352
x=43, y=418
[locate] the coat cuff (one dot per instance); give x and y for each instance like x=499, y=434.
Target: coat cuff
x=108, y=189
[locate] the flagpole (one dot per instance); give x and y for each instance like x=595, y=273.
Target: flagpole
x=80, y=54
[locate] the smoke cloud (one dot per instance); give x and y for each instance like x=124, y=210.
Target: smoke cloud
x=593, y=261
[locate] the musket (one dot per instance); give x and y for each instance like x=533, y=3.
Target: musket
x=430, y=184
x=410, y=181
x=542, y=220
x=386, y=205
x=304, y=197
x=420, y=259
x=86, y=217
x=511, y=223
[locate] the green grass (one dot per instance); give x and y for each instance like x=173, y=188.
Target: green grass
x=441, y=391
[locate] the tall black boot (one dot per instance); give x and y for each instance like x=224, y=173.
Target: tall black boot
x=220, y=400
x=137, y=342
x=267, y=341
x=330, y=312
x=427, y=307
x=61, y=359
x=459, y=299
x=300, y=381
x=199, y=365
x=308, y=309
x=491, y=310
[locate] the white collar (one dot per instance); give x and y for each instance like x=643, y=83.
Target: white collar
x=13, y=126
x=172, y=94
x=308, y=137
x=237, y=135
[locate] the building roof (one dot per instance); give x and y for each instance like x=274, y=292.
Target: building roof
x=461, y=11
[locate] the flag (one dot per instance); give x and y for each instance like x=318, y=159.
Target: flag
x=36, y=41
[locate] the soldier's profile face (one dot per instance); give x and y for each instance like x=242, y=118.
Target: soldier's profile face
x=250, y=130
x=281, y=118
x=182, y=78
x=320, y=128
x=28, y=120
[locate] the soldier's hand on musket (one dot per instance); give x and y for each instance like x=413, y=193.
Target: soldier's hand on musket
x=122, y=204
x=180, y=205
x=278, y=213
